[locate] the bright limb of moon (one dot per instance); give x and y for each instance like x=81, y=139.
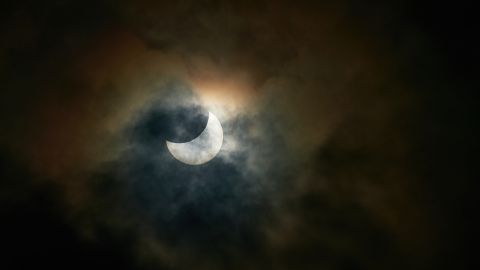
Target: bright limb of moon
x=203, y=148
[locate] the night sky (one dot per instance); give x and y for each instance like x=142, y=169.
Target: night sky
x=350, y=134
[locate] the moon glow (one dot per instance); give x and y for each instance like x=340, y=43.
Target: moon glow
x=203, y=148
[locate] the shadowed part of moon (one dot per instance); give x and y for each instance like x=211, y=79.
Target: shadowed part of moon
x=201, y=149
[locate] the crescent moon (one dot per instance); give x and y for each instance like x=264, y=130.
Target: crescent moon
x=203, y=148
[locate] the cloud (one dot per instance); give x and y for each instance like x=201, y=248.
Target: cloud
x=330, y=158
x=216, y=209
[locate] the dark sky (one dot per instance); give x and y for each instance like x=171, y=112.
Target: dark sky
x=349, y=134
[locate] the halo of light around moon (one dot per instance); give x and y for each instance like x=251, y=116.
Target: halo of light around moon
x=203, y=148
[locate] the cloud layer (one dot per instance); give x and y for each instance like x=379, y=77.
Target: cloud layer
x=333, y=118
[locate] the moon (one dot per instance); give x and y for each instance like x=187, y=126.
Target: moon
x=203, y=148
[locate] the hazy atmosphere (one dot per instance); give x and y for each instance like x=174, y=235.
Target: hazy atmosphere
x=347, y=133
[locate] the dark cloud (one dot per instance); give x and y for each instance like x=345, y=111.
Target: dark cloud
x=349, y=134
x=178, y=105
x=36, y=231
x=199, y=214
